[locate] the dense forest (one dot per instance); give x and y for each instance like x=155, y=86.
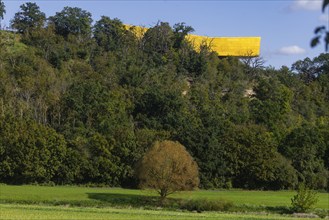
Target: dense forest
x=81, y=102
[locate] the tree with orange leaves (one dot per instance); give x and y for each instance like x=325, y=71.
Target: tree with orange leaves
x=167, y=167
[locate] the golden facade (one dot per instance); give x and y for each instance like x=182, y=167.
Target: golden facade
x=224, y=46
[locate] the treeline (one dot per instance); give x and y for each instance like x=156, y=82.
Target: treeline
x=81, y=103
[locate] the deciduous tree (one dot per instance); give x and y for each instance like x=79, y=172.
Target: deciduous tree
x=30, y=17
x=167, y=167
x=73, y=21
x=109, y=33
x=305, y=146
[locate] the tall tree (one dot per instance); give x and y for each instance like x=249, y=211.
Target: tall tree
x=180, y=32
x=306, y=147
x=2, y=10
x=158, y=41
x=73, y=21
x=109, y=33
x=308, y=69
x=30, y=152
x=259, y=163
x=30, y=17
x=271, y=104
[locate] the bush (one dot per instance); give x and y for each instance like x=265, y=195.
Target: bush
x=304, y=200
x=201, y=205
x=322, y=213
x=167, y=167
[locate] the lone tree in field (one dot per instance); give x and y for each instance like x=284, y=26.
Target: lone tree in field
x=167, y=167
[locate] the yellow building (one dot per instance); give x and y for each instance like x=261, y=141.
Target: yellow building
x=229, y=46
x=224, y=46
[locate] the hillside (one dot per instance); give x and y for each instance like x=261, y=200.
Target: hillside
x=80, y=104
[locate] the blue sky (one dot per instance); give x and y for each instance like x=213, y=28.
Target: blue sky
x=285, y=26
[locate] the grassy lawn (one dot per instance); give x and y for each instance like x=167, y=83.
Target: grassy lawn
x=96, y=196
x=72, y=202
x=258, y=198
x=13, y=211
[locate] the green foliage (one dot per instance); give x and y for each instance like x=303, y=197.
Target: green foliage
x=284, y=175
x=304, y=200
x=321, y=213
x=30, y=152
x=180, y=32
x=110, y=34
x=309, y=143
x=271, y=104
x=258, y=162
x=158, y=39
x=29, y=18
x=73, y=21
x=309, y=70
x=158, y=43
x=202, y=205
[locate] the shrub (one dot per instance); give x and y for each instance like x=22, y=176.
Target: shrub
x=201, y=205
x=322, y=213
x=304, y=200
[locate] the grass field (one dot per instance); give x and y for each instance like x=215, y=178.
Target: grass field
x=34, y=212
x=69, y=202
x=87, y=196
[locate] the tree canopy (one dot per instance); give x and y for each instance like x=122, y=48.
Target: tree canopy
x=30, y=17
x=73, y=21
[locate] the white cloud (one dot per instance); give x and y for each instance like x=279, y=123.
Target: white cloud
x=310, y=5
x=291, y=50
x=324, y=18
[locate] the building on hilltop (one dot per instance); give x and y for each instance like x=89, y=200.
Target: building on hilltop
x=223, y=46
x=230, y=46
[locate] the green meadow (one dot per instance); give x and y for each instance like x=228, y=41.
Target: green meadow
x=14, y=211
x=89, y=196
x=72, y=202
